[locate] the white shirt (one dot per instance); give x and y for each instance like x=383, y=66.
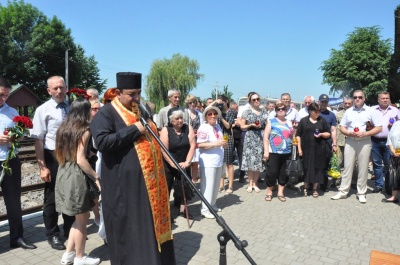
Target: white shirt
x=46, y=121
x=7, y=115
x=291, y=115
x=303, y=113
x=213, y=157
x=394, y=135
x=354, y=117
x=242, y=109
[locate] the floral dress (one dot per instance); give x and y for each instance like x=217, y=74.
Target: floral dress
x=253, y=148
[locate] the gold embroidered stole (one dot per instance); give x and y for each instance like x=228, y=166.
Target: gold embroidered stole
x=150, y=158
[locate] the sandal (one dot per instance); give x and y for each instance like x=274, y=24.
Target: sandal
x=229, y=190
x=249, y=189
x=315, y=193
x=268, y=198
x=221, y=189
x=256, y=189
x=282, y=198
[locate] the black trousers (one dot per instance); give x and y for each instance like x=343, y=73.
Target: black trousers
x=50, y=215
x=11, y=187
x=276, y=169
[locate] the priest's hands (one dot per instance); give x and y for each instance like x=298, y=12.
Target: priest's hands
x=140, y=127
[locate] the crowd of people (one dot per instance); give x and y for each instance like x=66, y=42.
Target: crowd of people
x=110, y=143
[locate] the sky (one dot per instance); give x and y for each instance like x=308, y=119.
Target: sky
x=265, y=46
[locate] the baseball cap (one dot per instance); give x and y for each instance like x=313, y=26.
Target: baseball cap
x=324, y=97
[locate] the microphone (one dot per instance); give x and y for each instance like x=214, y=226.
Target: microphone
x=143, y=110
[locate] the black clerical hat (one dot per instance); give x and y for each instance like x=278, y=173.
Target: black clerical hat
x=129, y=80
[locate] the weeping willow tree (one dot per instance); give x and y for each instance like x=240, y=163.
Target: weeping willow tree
x=179, y=72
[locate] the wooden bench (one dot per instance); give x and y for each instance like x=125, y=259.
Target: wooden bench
x=380, y=258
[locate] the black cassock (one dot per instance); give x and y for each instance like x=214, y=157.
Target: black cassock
x=126, y=207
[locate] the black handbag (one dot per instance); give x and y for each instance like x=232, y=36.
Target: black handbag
x=93, y=189
x=189, y=192
x=294, y=167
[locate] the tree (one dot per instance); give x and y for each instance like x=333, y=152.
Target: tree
x=179, y=72
x=225, y=92
x=362, y=63
x=33, y=49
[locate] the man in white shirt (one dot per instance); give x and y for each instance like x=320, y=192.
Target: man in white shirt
x=48, y=117
x=303, y=112
x=11, y=184
x=291, y=113
x=358, y=145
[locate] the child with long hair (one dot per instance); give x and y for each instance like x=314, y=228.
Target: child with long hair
x=72, y=198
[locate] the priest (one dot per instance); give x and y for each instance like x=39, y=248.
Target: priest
x=134, y=190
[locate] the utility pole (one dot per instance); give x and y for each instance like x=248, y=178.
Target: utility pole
x=66, y=69
x=216, y=90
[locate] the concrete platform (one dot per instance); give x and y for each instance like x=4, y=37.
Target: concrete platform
x=302, y=230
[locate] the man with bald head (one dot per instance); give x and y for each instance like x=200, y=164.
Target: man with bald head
x=48, y=117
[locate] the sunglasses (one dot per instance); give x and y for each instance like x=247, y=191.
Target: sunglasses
x=358, y=97
x=192, y=102
x=255, y=99
x=281, y=109
x=209, y=114
x=95, y=109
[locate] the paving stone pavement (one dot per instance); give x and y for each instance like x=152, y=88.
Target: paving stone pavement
x=302, y=230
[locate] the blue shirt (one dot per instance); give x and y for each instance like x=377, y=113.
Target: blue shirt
x=329, y=117
x=7, y=114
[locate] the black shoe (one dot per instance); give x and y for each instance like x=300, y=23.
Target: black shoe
x=22, y=243
x=377, y=190
x=183, y=214
x=56, y=243
x=242, y=180
x=394, y=201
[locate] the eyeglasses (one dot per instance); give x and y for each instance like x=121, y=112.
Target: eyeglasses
x=358, y=97
x=281, y=109
x=95, y=109
x=209, y=114
x=192, y=102
x=255, y=99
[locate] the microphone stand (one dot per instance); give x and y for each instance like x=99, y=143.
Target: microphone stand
x=226, y=234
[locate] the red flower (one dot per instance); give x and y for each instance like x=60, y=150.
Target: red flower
x=23, y=121
x=77, y=92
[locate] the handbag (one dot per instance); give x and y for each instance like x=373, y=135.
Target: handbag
x=189, y=193
x=93, y=189
x=294, y=167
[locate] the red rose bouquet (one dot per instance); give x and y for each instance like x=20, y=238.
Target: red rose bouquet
x=75, y=93
x=22, y=124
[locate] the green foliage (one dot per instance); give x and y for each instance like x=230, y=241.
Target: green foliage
x=362, y=63
x=225, y=92
x=179, y=72
x=33, y=49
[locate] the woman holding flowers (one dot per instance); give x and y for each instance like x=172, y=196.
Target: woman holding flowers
x=72, y=197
